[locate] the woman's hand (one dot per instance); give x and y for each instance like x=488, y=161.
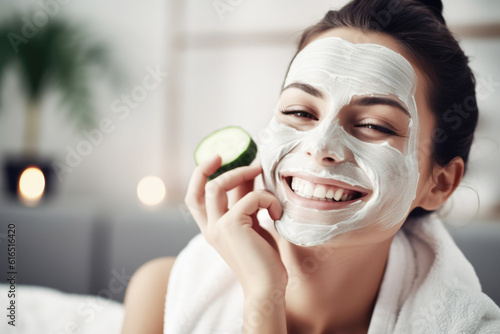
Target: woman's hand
x=235, y=233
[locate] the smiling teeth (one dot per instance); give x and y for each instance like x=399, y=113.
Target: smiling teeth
x=330, y=193
x=319, y=192
x=338, y=194
x=307, y=189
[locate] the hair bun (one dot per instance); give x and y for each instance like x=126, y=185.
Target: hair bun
x=436, y=6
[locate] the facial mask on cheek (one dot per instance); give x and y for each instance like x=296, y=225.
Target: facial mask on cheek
x=343, y=69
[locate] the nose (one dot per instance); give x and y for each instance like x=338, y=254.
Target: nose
x=324, y=158
x=325, y=145
x=324, y=155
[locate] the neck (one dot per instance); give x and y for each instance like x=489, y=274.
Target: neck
x=332, y=287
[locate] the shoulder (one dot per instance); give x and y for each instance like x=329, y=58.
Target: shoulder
x=145, y=297
x=156, y=271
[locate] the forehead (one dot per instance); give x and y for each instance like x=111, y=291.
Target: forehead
x=336, y=65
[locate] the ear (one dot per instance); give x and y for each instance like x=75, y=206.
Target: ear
x=445, y=180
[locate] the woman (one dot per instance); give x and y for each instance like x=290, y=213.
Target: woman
x=360, y=151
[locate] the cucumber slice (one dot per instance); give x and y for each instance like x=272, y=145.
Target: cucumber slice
x=233, y=144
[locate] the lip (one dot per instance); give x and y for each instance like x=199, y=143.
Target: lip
x=319, y=204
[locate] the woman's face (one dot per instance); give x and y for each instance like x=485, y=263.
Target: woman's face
x=347, y=151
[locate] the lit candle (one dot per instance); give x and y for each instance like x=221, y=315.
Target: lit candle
x=31, y=186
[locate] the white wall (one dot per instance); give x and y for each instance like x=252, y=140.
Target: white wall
x=136, y=34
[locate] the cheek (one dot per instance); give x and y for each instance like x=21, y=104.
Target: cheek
x=425, y=153
x=275, y=142
x=425, y=147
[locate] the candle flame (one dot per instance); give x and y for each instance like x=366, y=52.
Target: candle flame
x=31, y=185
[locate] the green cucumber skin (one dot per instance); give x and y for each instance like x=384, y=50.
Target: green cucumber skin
x=215, y=133
x=244, y=159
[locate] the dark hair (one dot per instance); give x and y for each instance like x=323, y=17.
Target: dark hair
x=419, y=27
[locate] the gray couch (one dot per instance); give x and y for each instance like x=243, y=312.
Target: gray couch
x=81, y=250
x=480, y=243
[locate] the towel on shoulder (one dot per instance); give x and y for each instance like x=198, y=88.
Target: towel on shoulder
x=428, y=287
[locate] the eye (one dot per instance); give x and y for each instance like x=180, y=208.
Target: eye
x=376, y=127
x=298, y=113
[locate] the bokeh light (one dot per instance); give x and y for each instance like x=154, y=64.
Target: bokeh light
x=31, y=185
x=151, y=190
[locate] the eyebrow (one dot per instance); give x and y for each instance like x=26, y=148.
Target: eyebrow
x=306, y=88
x=375, y=100
x=363, y=101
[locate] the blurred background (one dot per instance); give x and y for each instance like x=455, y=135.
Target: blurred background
x=108, y=100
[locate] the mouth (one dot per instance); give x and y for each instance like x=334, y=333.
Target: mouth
x=322, y=194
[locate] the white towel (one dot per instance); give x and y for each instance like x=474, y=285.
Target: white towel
x=428, y=287
x=50, y=311
x=203, y=294
x=445, y=294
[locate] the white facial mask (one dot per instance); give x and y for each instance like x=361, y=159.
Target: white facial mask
x=343, y=70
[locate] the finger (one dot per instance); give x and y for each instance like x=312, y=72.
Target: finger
x=196, y=187
x=256, y=200
x=216, y=198
x=264, y=233
x=240, y=191
x=195, y=195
